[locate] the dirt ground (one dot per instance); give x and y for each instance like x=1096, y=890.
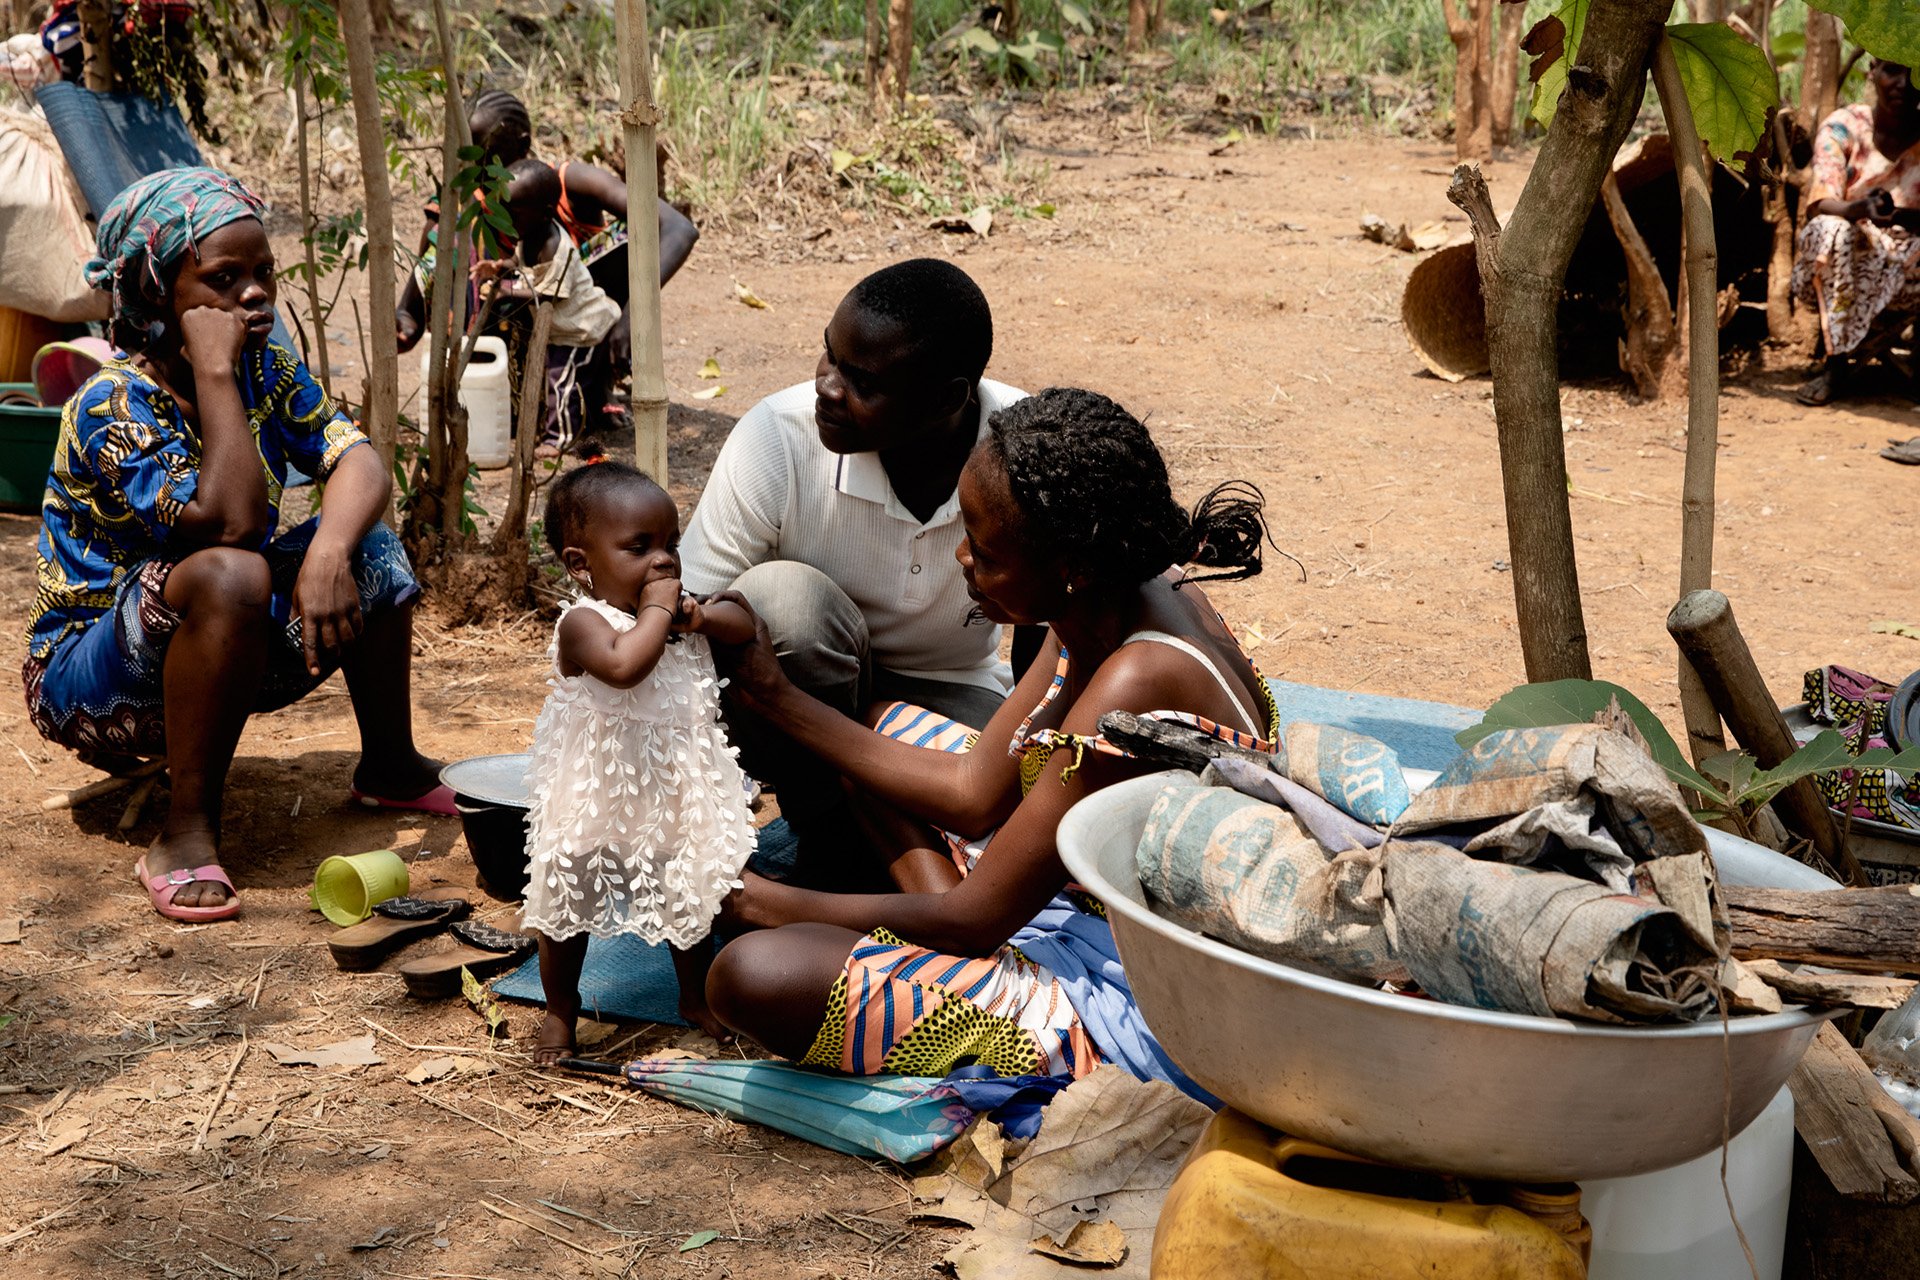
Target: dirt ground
x=1229, y=300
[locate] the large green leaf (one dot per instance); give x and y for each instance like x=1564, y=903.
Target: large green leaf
x=1887, y=29
x=1557, y=702
x=1730, y=83
x=1549, y=70
x=1826, y=752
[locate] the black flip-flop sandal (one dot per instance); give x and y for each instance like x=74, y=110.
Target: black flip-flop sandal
x=395, y=923
x=487, y=951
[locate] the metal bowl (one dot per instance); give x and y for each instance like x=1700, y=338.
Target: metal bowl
x=1416, y=1082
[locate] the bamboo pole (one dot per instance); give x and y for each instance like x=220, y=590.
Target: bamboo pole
x=1704, y=735
x=876, y=51
x=641, y=116
x=307, y=223
x=447, y=312
x=380, y=412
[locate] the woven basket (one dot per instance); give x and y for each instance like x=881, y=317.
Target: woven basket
x=1443, y=314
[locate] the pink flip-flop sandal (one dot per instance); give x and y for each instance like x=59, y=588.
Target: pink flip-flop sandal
x=439, y=800
x=162, y=889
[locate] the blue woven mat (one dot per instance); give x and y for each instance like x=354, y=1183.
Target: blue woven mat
x=629, y=979
x=1420, y=733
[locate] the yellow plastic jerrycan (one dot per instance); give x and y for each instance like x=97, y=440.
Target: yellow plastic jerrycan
x=1243, y=1207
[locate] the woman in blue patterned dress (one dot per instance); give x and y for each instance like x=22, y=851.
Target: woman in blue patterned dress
x=167, y=611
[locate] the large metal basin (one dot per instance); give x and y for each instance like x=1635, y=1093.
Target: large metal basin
x=1416, y=1082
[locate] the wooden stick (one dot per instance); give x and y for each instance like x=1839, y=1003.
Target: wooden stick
x=130, y=816
x=1704, y=737
x=380, y=412
x=1650, y=335
x=640, y=117
x=307, y=224
x=1855, y=990
x=220, y=1094
x=513, y=521
x=1857, y=930
x=1703, y=626
x=102, y=787
x=1835, y=1115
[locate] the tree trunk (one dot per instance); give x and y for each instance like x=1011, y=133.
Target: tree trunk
x=1137, y=17
x=513, y=521
x=876, y=60
x=1506, y=70
x=447, y=312
x=96, y=43
x=1704, y=736
x=1820, y=75
x=641, y=116
x=307, y=222
x=1521, y=272
x=1472, y=36
x=380, y=409
x=899, y=50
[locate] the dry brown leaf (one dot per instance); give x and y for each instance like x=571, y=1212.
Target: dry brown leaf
x=1091, y=1244
x=437, y=1069
x=70, y=1133
x=356, y=1052
x=9, y=929
x=248, y=1128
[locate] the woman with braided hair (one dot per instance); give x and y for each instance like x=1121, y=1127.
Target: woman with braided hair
x=982, y=952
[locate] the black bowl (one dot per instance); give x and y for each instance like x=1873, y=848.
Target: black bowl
x=491, y=794
x=497, y=839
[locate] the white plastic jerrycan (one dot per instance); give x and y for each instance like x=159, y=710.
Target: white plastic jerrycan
x=485, y=392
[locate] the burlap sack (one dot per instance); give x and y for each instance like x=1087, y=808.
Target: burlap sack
x=1247, y=873
x=1496, y=936
x=1577, y=796
x=44, y=236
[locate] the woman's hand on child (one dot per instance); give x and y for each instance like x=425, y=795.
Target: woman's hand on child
x=752, y=669
x=213, y=338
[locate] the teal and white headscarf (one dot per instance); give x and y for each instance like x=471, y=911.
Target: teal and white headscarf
x=153, y=224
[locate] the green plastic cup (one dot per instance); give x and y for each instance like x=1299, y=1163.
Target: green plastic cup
x=345, y=887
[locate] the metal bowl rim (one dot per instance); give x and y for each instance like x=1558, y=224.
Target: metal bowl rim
x=1085, y=813
x=450, y=776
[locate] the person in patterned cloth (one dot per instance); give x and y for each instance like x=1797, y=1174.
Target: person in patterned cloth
x=984, y=953
x=167, y=610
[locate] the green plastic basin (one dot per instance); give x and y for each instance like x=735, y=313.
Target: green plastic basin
x=27, y=436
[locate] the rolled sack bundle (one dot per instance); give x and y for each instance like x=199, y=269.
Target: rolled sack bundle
x=1360, y=775
x=1497, y=936
x=1250, y=874
x=1581, y=798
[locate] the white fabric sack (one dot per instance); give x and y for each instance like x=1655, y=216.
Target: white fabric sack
x=45, y=239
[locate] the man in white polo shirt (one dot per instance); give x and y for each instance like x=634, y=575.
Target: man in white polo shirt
x=832, y=509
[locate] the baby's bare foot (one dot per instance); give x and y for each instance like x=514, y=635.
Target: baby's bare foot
x=554, y=1041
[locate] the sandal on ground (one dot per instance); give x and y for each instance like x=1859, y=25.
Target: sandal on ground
x=1907, y=451
x=487, y=951
x=395, y=923
x=439, y=800
x=1823, y=388
x=162, y=889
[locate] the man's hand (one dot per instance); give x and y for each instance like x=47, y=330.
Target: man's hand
x=212, y=339
x=752, y=669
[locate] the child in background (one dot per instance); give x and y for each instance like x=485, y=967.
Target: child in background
x=638, y=822
x=546, y=267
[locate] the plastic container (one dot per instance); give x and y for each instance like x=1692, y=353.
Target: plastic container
x=1673, y=1225
x=28, y=433
x=346, y=887
x=1254, y=1204
x=486, y=392
x=1892, y=1049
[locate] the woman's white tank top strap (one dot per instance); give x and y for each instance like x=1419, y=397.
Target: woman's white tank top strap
x=1255, y=721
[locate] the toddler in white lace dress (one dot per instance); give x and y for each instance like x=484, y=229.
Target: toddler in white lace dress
x=638, y=822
